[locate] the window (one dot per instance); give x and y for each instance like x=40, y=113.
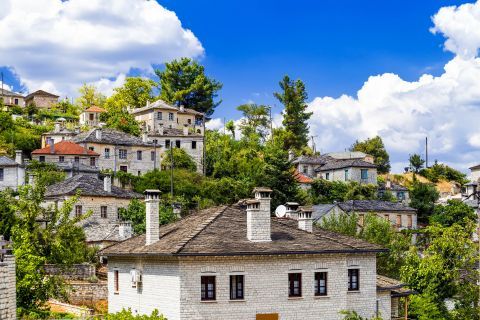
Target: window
x=208, y=287
x=115, y=281
x=364, y=174
x=177, y=143
x=305, y=169
x=61, y=159
x=139, y=173
x=189, y=121
x=159, y=116
x=152, y=155
x=122, y=153
x=76, y=159
x=91, y=148
x=123, y=168
x=236, y=287
x=387, y=217
x=16, y=101
x=41, y=159
x=167, y=144
x=107, y=153
x=170, y=116
x=139, y=155
x=91, y=116
x=353, y=280
x=194, y=144
x=346, y=174
x=320, y=283
x=401, y=195
x=409, y=221
x=399, y=220
x=327, y=176
x=103, y=212
x=118, y=213
x=78, y=211
x=1, y=174
x=92, y=161
x=294, y=284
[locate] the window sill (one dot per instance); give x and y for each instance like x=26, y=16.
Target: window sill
x=295, y=298
x=353, y=291
x=237, y=300
x=208, y=301
x=321, y=297
x=116, y=293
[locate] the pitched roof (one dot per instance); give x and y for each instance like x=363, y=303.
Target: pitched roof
x=7, y=162
x=393, y=187
x=98, y=232
x=111, y=136
x=345, y=163
x=95, y=109
x=301, y=178
x=475, y=167
x=320, y=210
x=318, y=159
x=374, y=206
x=41, y=93
x=160, y=104
x=347, y=155
x=62, y=131
x=396, y=287
x=174, y=132
x=9, y=93
x=89, y=186
x=76, y=167
x=66, y=147
x=222, y=231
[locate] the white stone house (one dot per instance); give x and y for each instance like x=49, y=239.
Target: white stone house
x=398, y=191
x=104, y=226
x=59, y=133
x=91, y=116
x=12, y=172
x=11, y=98
x=66, y=152
x=238, y=262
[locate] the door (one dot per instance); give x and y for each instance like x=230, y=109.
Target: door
x=267, y=316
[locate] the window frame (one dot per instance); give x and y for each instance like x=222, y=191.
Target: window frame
x=124, y=168
x=61, y=159
x=116, y=282
x=78, y=210
x=2, y=174
x=327, y=176
x=291, y=284
x=122, y=154
x=167, y=144
x=362, y=172
x=106, y=153
x=318, y=286
x=347, y=176
x=93, y=162
x=139, y=155
x=41, y=158
x=171, y=116
x=237, y=293
x=353, y=272
x=103, y=212
x=204, y=291
x=76, y=159
x=152, y=156
x=159, y=115
x=194, y=144
x=178, y=143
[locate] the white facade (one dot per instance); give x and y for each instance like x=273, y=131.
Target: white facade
x=12, y=172
x=360, y=175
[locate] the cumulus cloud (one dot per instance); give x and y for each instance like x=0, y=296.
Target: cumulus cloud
x=445, y=108
x=58, y=45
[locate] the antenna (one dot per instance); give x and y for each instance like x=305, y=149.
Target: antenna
x=281, y=211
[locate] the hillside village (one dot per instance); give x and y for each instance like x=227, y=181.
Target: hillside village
x=142, y=208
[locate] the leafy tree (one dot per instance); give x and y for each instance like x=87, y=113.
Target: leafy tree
x=66, y=107
x=230, y=126
x=255, y=120
x=127, y=315
x=343, y=223
x=183, y=82
x=387, y=195
x=89, y=96
x=293, y=96
x=134, y=93
x=117, y=117
x=181, y=159
x=455, y=211
x=439, y=172
x=375, y=148
x=135, y=213
x=325, y=191
x=423, y=197
x=45, y=173
x=6, y=121
x=444, y=270
x=353, y=315
x=7, y=214
x=416, y=162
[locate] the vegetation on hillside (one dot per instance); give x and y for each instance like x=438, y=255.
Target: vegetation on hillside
x=376, y=148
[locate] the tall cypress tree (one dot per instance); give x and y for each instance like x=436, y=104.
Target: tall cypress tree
x=293, y=96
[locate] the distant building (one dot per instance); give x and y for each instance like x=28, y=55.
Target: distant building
x=41, y=99
x=11, y=99
x=350, y=155
x=12, y=171
x=399, y=192
x=91, y=116
x=304, y=181
x=59, y=133
x=66, y=152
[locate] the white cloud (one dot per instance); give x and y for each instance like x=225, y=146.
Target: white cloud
x=214, y=124
x=58, y=45
x=445, y=108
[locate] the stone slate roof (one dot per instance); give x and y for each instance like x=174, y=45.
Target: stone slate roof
x=62, y=131
x=374, y=206
x=318, y=160
x=222, y=231
x=393, y=187
x=396, y=287
x=9, y=93
x=41, y=93
x=345, y=163
x=98, y=232
x=79, y=167
x=89, y=186
x=7, y=162
x=68, y=148
x=110, y=136
x=160, y=104
x=320, y=210
x=475, y=167
x=347, y=155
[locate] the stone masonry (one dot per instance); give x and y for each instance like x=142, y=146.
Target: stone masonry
x=7, y=285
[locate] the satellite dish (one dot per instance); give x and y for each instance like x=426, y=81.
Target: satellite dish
x=280, y=211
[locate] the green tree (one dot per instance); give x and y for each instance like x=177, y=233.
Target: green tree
x=441, y=171
x=343, y=223
x=416, y=162
x=45, y=173
x=325, y=191
x=181, y=159
x=134, y=93
x=89, y=96
x=117, y=117
x=135, y=213
x=376, y=148
x=230, y=126
x=255, y=120
x=293, y=96
x=423, y=197
x=127, y=315
x=7, y=214
x=183, y=82
x=353, y=315
x=455, y=211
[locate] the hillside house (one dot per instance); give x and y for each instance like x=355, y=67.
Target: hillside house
x=12, y=171
x=238, y=262
x=398, y=191
x=11, y=99
x=120, y=151
x=66, y=152
x=41, y=99
x=91, y=116
x=104, y=226
x=59, y=133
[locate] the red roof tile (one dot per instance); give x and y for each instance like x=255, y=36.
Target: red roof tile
x=66, y=147
x=95, y=109
x=301, y=178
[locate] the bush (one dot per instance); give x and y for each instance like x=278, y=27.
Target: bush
x=127, y=315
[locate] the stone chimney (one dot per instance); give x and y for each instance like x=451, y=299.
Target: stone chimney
x=52, y=147
x=160, y=129
x=148, y=103
x=185, y=129
x=58, y=127
x=291, y=155
x=292, y=210
x=145, y=137
x=107, y=183
x=31, y=179
x=388, y=184
x=305, y=221
x=182, y=108
x=19, y=157
x=98, y=134
x=258, y=216
x=152, y=201
x=125, y=230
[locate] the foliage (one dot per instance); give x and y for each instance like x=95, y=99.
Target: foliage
x=423, y=197
x=127, y=315
x=387, y=195
x=135, y=92
x=343, y=223
x=7, y=214
x=293, y=96
x=89, y=96
x=45, y=173
x=181, y=160
x=117, y=117
x=416, y=162
x=455, y=211
x=440, y=171
x=230, y=127
x=19, y=134
x=376, y=148
x=183, y=82
x=325, y=191
x=353, y=315
x=444, y=270
x=255, y=120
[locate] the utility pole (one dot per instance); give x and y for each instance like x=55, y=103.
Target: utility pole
x=171, y=170
x=203, y=147
x=114, y=162
x=313, y=144
x=155, y=154
x=426, y=152
x=2, y=88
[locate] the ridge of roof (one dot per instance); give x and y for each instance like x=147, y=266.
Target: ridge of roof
x=66, y=147
x=41, y=92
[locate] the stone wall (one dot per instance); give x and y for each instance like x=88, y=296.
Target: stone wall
x=86, y=293
x=82, y=271
x=7, y=288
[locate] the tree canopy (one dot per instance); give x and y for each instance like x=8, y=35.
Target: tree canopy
x=255, y=120
x=416, y=162
x=440, y=171
x=455, y=211
x=89, y=96
x=376, y=148
x=423, y=197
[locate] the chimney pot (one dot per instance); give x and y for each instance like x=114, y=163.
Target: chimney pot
x=182, y=108
x=305, y=221
x=292, y=210
x=98, y=134
x=185, y=129
x=52, y=147
x=144, y=137
x=57, y=127
x=152, y=201
x=107, y=183
x=19, y=157
x=125, y=230
x=258, y=216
